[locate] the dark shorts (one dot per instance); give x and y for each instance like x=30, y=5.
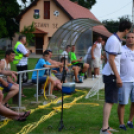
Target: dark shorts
x=6, y=89
x=79, y=65
x=24, y=75
x=111, y=89
x=42, y=80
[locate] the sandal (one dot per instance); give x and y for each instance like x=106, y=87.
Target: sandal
x=7, y=106
x=21, y=118
x=26, y=114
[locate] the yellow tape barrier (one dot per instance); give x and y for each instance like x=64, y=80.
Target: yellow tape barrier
x=29, y=127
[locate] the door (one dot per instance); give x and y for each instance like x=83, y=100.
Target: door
x=39, y=45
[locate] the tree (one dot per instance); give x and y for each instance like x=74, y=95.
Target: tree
x=112, y=25
x=85, y=3
x=9, y=9
x=27, y=31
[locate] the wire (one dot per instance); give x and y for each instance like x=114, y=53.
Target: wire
x=116, y=10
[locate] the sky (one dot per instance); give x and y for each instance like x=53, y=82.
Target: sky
x=112, y=9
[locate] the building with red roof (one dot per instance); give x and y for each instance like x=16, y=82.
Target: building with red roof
x=49, y=15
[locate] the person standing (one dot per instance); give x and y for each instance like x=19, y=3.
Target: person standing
x=111, y=72
x=127, y=77
x=96, y=55
x=21, y=57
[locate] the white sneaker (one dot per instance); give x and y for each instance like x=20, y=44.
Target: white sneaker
x=112, y=130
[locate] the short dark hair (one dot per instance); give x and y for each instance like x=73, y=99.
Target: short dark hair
x=21, y=37
x=8, y=52
x=125, y=24
x=62, y=59
x=68, y=46
x=48, y=50
x=45, y=53
x=99, y=36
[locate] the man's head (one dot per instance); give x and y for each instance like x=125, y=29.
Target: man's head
x=73, y=48
x=22, y=39
x=50, y=53
x=46, y=55
x=68, y=48
x=130, y=39
x=125, y=26
x=99, y=39
x=9, y=55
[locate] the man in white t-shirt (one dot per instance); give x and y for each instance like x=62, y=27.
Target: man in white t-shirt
x=96, y=55
x=65, y=53
x=127, y=77
x=111, y=72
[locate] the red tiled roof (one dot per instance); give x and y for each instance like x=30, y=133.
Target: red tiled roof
x=38, y=31
x=76, y=11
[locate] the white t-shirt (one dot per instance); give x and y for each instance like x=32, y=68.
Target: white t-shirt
x=113, y=46
x=21, y=48
x=97, y=50
x=127, y=65
x=64, y=53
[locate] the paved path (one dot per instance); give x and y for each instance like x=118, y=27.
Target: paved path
x=89, y=83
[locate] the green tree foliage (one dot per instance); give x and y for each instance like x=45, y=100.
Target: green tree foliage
x=27, y=31
x=112, y=25
x=86, y=3
x=9, y=9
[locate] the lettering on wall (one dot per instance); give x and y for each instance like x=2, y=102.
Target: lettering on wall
x=47, y=25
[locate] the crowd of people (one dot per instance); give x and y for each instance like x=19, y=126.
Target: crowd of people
x=118, y=73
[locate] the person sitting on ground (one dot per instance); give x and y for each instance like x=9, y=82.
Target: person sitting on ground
x=4, y=111
x=6, y=82
x=82, y=67
x=96, y=55
x=43, y=62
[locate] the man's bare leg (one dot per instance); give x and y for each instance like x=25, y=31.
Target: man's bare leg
x=121, y=110
x=106, y=113
x=131, y=116
x=13, y=91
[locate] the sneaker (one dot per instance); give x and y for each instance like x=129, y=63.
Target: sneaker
x=123, y=127
x=112, y=130
x=130, y=125
x=106, y=132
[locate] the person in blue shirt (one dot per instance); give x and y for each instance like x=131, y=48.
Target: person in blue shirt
x=43, y=62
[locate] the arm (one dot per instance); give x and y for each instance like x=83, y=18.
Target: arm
x=4, y=83
x=10, y=80
x=92, y=51
x=113, y=66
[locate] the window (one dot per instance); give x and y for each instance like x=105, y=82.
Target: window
x=46, y=9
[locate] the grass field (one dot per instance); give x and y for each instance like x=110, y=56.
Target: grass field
x=86, y=119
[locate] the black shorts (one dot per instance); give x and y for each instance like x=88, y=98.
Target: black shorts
x=25, y=75
x=79, y=65
x=111, y=89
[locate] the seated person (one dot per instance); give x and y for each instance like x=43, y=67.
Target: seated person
x=8, y=86
x=43, y=62
x=4, y=111
x=82, y=67
x=59, y=71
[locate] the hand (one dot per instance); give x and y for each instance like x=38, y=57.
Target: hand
x=93, y=57
x=13, y=75
x=119, y=82
x=79, y=60
x=54, y=71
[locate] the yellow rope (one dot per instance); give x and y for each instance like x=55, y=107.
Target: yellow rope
x=45, y=87
x=1, y=88
x=4, y=123
x=29, y=127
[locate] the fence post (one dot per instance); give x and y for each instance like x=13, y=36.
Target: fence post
x=37, y=89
